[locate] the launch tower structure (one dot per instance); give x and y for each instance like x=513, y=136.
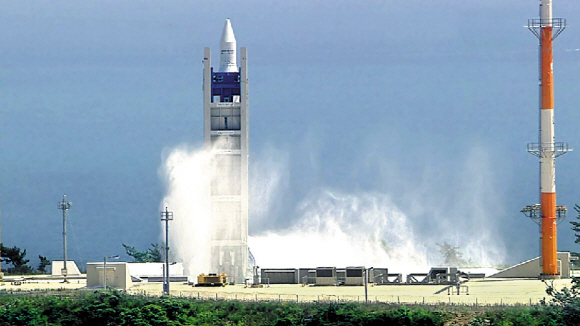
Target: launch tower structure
x=547, y=214
x=225, y=97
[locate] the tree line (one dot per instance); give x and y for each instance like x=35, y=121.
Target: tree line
x=14, y=261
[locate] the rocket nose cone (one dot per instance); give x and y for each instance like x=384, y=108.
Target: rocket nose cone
x=228, y=33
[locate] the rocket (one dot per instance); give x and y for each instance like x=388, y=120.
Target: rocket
x=228, y=49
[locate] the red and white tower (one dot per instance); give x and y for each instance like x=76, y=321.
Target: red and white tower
x=547, y=214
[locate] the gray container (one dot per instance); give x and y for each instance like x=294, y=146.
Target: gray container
x=326, y=276
x=279, y=275
x=355, y=276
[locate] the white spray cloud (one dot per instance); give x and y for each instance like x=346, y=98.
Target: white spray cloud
x=335, y=228
x=185, y=173
x=269, y=178
x=339, y=229
x=478, y=207
x=458, y=202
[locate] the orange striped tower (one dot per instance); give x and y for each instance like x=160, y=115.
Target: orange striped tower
x=547, y=214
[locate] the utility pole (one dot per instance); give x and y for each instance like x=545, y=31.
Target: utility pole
x=366, y=279
x=105, y=273
x=166, y=216
x=64, y=206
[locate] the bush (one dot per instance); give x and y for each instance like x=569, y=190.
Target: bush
x=563, y=308
x=116, y=308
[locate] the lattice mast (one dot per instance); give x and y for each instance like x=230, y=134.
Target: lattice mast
x=547, y=214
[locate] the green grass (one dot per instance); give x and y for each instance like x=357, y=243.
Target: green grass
x=116, y=308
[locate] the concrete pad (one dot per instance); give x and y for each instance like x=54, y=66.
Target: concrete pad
x=481, y=291
x=484, y=291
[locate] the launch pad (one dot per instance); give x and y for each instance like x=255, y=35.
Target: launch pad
x=226, y=125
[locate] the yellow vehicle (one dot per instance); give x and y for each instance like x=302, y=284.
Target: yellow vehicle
x=212, y=280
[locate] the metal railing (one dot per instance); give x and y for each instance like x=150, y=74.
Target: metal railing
x=444, y=299
x=558, y=148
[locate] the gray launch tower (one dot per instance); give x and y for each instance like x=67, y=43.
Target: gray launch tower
x=225, y=97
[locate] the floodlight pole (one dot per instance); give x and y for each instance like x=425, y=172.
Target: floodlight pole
x=64, y=206
x=166, y=216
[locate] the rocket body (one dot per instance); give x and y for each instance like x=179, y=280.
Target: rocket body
x=547, y=144
x=228, y=49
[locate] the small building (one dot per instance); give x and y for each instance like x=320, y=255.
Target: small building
x=326, y=276
x=355, y=276
x=116, y=275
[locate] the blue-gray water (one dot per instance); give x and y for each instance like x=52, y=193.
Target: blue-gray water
x=361, y=97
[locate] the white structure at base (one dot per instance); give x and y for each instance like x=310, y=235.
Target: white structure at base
x=531, y=268
x=117, y=274
x=58, y=265
x=144, y=270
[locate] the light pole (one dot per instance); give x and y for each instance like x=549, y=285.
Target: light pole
x=366, y=282
x=105, y=269
x=64, y=206
x=166, y=216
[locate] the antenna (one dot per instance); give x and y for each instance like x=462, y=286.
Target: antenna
x=547, y=214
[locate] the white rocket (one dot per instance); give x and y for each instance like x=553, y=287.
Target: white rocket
x=228, y=49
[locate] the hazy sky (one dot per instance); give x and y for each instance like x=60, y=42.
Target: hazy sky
x=431, y=103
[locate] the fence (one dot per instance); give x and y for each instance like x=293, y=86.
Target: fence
x=466, y=300
x=443, y=299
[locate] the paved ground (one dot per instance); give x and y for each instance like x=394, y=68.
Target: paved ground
x=485, y=291
x=489, y=291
